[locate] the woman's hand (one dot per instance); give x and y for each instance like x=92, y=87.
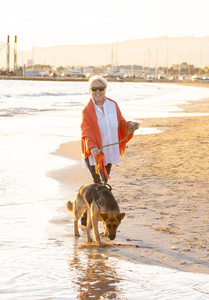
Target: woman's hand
x=95, y=151
x=133, y=125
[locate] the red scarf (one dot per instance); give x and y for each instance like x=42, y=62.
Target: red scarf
x=91, y=137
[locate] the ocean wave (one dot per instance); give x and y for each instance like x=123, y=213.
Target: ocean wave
x=19, y=111
x=10, y=112
x=42, y=94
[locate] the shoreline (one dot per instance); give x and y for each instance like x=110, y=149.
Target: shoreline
x=139, y=80
x=164, y=195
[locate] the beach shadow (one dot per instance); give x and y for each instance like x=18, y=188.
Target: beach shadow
x=151, y=254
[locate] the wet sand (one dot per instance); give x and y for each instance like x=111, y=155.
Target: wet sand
x=162, y=186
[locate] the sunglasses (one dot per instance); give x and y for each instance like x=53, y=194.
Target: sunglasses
x=95, y=88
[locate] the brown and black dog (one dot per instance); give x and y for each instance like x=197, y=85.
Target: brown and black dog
x=99, y=202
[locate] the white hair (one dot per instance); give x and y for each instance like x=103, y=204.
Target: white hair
x=96, y=77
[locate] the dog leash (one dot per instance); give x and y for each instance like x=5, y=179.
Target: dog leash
x=130, y=132
x=101, y=178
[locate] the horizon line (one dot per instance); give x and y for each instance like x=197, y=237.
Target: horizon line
x=110, y=43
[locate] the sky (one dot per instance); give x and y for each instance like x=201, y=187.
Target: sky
x=43, y=23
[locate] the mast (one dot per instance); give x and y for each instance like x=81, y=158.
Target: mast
x=8, y=55
x=15, y=55
x=112, y=59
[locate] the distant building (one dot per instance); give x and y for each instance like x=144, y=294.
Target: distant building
x=94, y=70
x=30, y=62
x=131, y=69
x=182, y=66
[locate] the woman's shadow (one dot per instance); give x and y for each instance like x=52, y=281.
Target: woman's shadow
x=95, y=275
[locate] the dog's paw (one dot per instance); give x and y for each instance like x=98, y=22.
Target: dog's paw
x=89, y=240
x=77, y=234
x=100, y=244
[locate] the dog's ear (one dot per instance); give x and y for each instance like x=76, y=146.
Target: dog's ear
x=120, y=216
x=103, y=216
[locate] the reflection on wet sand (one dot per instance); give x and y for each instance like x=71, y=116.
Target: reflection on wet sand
x=95, y=277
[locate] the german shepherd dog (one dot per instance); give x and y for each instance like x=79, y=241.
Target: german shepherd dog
x=99, y=202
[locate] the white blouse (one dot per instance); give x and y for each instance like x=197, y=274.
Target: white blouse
x=108, y=126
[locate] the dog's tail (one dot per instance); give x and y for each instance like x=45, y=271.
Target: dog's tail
x=69, y=206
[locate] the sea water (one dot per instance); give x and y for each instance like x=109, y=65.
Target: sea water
x=39, y=256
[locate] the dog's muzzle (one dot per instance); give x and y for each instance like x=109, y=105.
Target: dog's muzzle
x=111, y=237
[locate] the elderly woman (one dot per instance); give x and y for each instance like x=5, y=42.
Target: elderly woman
x=103, y=124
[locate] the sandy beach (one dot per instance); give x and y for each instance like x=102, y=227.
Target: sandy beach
x=162, y=186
